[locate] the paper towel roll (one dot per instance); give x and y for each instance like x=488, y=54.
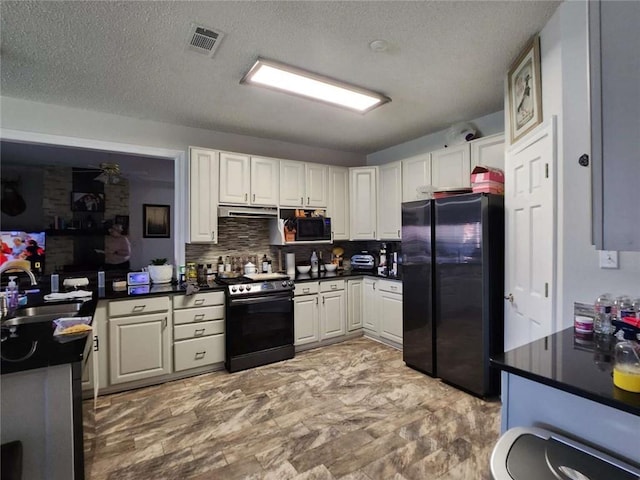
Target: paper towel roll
x=291, y=264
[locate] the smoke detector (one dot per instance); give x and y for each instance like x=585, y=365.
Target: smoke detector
x=204, y=40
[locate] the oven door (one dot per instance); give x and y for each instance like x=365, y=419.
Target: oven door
x=259, y=330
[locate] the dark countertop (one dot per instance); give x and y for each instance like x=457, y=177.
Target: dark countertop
x=345, y=274
x=576, y=364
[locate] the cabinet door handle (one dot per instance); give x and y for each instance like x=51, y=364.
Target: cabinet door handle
x=374, y=234
x=246, y=197
x=96, y=344
x=199, y=316
x=164, y=322
x=316, y=300
x=323, y=299
x=398, y=233
x=198, y=332
x=374, y=286
x=308, y=200
x=213, y=234
x=139, y=308
x=199, y=301
x=200, y=355
x=301, y=200
x=333, y=235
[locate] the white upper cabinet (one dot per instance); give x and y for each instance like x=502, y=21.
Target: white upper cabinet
x=389, y=222
x=246, y=180
x=292, y=183
x=416, y=172
x=316, y=185
x=203, y=195
x=363, y=203
x=451, y=167
x=488, y=152
x=303, y=184
x=265, y=181
x=338, y=202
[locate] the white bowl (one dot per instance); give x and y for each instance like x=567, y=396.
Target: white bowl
x=330, y=267
x=303, y=268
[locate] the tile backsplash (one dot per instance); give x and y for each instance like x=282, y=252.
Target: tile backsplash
x=250, y=236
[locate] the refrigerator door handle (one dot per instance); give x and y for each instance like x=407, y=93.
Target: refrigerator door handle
x=509, y=297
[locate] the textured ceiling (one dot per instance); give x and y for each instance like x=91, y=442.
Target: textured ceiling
x=446, y=62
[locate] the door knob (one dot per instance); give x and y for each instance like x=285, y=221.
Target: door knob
x=509, y=297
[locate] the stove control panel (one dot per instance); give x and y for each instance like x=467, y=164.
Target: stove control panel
x=260, y=287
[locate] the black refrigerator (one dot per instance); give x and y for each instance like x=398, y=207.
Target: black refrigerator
x=453, y=284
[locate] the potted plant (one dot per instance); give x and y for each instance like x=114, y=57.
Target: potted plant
x=160, y=271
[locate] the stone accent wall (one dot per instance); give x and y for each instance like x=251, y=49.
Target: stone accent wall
x=116, y=199
x=56, y=200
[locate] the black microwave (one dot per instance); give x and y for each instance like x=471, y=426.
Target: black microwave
x=312, y=229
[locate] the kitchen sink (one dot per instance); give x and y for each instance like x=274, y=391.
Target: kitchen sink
x=43, y=313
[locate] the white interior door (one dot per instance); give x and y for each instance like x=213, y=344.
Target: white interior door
x=530, y=237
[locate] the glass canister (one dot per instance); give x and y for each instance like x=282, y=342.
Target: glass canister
x=626, y=367
x=191, y=275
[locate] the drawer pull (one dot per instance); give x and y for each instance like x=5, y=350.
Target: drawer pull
x=305, y=290
x=199, y=316
x=199, y=301
x=198, y=332
x=334, y=287
x=200, y=355
x=139, y=308
x=393, y=288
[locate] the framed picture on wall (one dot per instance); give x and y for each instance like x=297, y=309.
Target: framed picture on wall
x=156, y=221
x=87, y=202
x=525, y=91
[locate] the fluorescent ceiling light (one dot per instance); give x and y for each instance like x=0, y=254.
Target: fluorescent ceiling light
x=292, y=80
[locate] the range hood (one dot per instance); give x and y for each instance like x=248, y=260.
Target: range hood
x=247, y=212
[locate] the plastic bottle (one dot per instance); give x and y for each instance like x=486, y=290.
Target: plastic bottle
x=314, y=262
x=12, y=293
x=100, y=280
x=602, y=308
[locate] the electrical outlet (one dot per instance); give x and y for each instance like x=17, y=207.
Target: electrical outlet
x=608, y=259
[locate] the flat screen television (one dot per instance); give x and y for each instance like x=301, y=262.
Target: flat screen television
x=27, y=247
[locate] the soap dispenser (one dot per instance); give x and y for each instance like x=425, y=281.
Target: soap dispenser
x=12, y=293
x=626, y=367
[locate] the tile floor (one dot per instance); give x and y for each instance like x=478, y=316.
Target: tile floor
x=350, y=411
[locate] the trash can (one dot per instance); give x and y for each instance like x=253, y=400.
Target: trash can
x=531, y=453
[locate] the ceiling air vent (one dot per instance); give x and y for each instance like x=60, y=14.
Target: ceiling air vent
x=204, y=39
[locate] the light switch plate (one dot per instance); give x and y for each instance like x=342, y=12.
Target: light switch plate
x=608, y=259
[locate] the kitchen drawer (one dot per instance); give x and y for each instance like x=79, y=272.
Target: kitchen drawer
x=198, y=300
x=330, y=286
x=306, y=288
x=202, y=314
x=198, y=352
x=200, y=329
x=139, y=306
x=390, y=286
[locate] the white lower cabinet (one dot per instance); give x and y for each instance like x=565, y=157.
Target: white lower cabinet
x=333, y=309
x=382, y=309
x=198, y=332
x=354, y=304
x=370, y=320
x=390, y=308
x=320, y=311
x=139, y=347
x=306, y=319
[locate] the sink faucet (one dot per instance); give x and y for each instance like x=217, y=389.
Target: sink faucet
x=18, y=265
